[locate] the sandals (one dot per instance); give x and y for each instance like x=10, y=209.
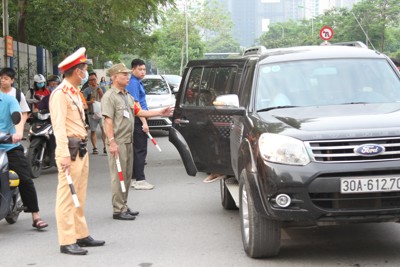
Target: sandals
x=213, y=177
x=95, y=151
x=39, y=224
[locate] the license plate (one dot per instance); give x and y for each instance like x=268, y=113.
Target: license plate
x=368, y=185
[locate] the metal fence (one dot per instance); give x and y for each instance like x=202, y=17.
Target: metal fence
x=27, y=61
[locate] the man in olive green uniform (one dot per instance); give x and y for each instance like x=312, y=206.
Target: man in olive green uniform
x=119, y=109
x=68, y=121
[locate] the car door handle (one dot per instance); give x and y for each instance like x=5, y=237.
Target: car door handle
x=181, y=121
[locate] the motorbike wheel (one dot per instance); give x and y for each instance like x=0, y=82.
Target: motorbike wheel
x=16, y=208
x=33, y=157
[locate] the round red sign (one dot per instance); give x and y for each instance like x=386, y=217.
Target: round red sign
x=326, y=33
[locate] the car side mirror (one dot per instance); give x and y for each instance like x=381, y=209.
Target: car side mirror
x=16, y=117
x=174, y=89
x=231, y=100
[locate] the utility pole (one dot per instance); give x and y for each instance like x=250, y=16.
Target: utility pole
x=5, y=30
x=187, y=33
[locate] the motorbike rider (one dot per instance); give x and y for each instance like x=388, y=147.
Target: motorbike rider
x=39, y=92
x=52, y=82
x=15, y=152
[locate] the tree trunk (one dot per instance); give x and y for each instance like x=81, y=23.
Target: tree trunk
x=21, y=20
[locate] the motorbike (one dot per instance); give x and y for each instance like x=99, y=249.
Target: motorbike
x=40, y=153
x=10, y=199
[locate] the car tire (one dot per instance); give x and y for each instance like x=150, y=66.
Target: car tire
x=261, y=236
x=227, y=200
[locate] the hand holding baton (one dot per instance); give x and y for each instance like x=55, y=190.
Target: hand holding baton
x=72, y=188
x=121, y=177
x=154, y=141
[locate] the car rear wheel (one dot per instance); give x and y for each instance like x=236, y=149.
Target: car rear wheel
x=261, y=236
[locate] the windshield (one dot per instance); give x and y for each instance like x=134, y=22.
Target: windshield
x=326, y=82
x=155, y=87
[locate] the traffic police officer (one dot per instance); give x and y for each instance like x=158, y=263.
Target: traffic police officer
x=119, y=109
x=68, y=119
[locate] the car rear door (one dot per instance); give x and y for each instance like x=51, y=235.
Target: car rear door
x=202, y=126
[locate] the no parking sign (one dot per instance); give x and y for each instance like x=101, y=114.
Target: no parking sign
x=326, y=33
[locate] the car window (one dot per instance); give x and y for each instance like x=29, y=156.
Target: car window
x=155, y=86
x=205, y=84
x=176, y=79
x=326, y=82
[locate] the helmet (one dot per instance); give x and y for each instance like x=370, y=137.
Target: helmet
x=54, y=78
x=39, y=78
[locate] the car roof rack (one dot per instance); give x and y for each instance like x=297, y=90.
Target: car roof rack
x=352, y=43
x=255, y=50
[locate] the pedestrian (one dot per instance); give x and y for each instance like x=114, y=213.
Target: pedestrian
x=15, y=152
x=136, y=89
x=69, y=126
x=103, y=84
x=119, y=109
x=93, y=95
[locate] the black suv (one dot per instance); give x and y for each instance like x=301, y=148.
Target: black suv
x=306, y=136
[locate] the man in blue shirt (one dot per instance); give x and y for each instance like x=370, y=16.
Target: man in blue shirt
x=15, y=152
x=136, y=89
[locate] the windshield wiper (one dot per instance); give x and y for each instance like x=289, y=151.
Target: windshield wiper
x=353, y=103
x=276, y=107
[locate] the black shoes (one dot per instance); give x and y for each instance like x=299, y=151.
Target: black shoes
x=133, y=213
x=123, y=216
x=73, y=249
x=90, y=242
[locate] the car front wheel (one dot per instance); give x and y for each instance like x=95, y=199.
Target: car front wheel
x=261, y=236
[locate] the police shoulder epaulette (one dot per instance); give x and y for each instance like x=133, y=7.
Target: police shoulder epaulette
x=65, y=88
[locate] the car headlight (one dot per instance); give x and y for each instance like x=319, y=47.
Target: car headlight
x=283, y=149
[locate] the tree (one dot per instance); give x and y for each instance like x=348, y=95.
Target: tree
x=209, y=26
x=223, y=43
x=171, y=43
x=376, y=16
x=107, y=28
x=371, y=21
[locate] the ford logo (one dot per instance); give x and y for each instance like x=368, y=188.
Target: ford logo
x=369, y=150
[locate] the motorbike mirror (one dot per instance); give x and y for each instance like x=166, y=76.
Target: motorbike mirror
x=16, y=117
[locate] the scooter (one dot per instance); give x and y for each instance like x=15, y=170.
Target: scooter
x=10, y=199
x=40, y=154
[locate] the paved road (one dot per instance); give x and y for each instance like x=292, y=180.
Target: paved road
x=182, y=223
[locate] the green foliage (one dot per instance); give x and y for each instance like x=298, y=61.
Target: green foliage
x=107, y=28
x=379, y=20
x=209, y=30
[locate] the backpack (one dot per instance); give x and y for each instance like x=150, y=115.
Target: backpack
x=18, y=95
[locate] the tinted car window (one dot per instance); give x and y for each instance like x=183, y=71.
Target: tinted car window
x=205, y=84
x=155, y=87
x=326, y=82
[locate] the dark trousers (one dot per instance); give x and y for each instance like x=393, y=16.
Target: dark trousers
x=18, y=163
x=139, y=151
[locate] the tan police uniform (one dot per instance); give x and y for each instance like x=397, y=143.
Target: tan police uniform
x=119, y=107
x=67, y=112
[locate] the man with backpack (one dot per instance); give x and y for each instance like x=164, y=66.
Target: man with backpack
x=15, y=152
